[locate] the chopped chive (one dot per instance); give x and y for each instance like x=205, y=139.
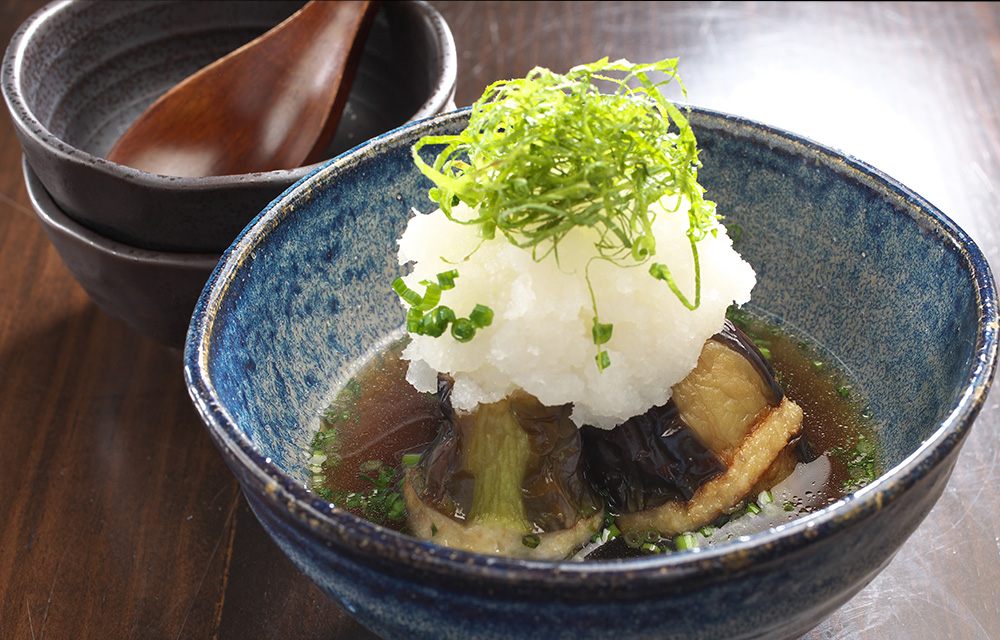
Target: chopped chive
x=436, y=322
x=414, y=320
x=382, y=503
x=735, y=232
x=685, y=541
x=426, y=317
x=446, y=279
x=481, y=316
x=601, y=332
x=463, y=330
x=864, y=446
x=634, y=539
x=410, y=459
x=408, y=295
x=431, y=297
x=603, y=360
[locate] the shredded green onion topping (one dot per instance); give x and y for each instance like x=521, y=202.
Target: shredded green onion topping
x=547, y=153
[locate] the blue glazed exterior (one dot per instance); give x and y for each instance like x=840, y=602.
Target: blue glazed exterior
x=899, y=294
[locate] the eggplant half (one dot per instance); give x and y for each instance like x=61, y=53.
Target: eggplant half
x=727, y=433
x=505, y=479
x=518, y=478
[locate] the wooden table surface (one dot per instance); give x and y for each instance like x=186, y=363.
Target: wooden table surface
x=119, y=519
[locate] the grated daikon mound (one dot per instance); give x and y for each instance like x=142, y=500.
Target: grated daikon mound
x=540, y=339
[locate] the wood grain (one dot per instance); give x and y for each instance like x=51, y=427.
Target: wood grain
x=119, y=519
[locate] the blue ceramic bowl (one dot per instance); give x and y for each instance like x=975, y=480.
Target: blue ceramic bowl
x=874, y=273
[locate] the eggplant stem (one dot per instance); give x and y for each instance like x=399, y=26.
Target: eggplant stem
x=498, y=456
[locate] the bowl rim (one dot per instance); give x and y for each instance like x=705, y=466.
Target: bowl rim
x=440, y=99
x=51, y=215
x=372, y=542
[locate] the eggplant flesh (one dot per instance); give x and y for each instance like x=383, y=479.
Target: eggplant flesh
x=727, y=433
x=504, y=479
x=727, y=392
x=767, y=451
x=430, y=524
x=518, y=478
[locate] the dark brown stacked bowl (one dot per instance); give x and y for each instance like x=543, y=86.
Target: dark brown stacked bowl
x=77, y=74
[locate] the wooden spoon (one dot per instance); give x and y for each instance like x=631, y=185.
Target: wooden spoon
x=274, y=103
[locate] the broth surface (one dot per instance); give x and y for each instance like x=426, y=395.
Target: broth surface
x=378, y=421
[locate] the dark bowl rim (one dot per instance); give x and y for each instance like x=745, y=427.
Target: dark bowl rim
x=340, y=529
x=51, y=215
x=440, y=99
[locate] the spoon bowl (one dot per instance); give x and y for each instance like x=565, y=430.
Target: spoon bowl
x=274, y=103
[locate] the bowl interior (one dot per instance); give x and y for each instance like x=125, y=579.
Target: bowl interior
x=90, y=69
x=843, y=255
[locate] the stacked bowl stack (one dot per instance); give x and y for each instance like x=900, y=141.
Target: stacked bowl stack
x=77, y=74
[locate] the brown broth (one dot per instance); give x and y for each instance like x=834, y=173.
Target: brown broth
x=835, y=416
x=379, y=417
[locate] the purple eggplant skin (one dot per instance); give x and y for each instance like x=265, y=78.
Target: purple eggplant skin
x=656, y=457
x=648, y=460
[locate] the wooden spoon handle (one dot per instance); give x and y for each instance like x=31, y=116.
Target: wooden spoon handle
x=358, y=21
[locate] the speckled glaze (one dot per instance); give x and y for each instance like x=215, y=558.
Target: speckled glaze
x=153, y=292
x=887, y=283
x=76, y=74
